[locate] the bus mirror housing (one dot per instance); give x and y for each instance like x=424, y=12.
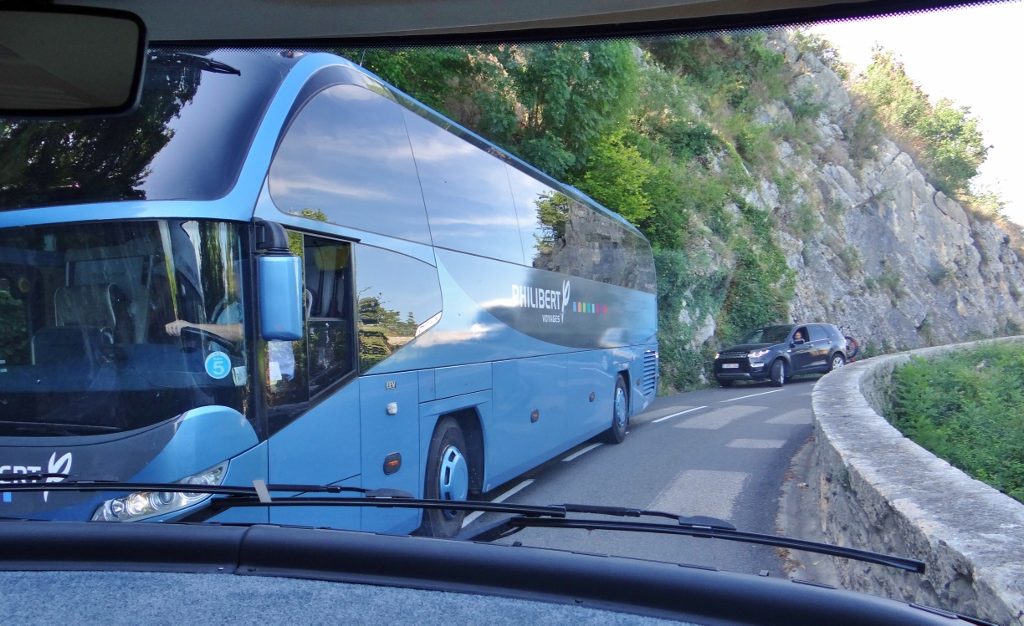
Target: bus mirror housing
x=280, y=284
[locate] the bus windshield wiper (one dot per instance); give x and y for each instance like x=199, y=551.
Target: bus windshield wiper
x=193, y=60
x=518, y=516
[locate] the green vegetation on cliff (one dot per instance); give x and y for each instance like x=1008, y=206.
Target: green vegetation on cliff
x=681, y=136
x=942, y=135
x=967, y=408
x=666, y=133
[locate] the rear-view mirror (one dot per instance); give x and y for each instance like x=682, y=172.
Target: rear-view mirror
x=69, y=61
x=280, y=288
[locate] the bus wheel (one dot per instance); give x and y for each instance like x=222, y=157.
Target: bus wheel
x=620, y=413
x=447, y=478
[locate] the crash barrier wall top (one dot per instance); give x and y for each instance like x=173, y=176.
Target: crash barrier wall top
x=881, y=491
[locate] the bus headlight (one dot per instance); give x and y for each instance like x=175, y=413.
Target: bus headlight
x=144, y=504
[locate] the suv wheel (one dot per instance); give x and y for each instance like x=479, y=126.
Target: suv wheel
x=837, y=361
x=778, y=373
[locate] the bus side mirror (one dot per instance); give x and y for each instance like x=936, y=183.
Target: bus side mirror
x=279, y=280
x=280, y=286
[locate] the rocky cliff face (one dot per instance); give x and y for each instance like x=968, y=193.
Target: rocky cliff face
x=875, y=248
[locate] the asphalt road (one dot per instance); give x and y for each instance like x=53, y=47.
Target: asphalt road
x=717, y=452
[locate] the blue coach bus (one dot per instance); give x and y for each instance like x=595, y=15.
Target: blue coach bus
x=281, y=268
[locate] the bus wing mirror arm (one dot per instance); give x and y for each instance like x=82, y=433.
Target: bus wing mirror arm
x=279, y=280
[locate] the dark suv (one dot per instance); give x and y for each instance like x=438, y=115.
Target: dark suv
x=777, y=353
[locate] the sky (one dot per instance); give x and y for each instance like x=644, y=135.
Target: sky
x=973, y=56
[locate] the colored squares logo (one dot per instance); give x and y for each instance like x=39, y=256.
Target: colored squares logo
x=590, y=307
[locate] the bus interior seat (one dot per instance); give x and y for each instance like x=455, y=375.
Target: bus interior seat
x=326, y=281
x=86, y=317
x=338, y=307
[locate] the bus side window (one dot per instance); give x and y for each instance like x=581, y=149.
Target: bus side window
x=296, y=371
x=346, y=159
x=399, y=298
x=561, y=234
x=329, y=326
x=467, y=194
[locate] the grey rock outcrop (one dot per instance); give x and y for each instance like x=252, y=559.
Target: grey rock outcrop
x=877, y=249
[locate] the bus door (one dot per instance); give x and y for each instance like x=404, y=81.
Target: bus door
x=309, y=390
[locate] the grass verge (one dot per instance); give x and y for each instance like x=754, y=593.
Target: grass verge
x=967, y=408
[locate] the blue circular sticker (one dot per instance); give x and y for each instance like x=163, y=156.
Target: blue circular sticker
x=218, y=365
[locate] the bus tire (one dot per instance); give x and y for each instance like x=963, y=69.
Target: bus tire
x=447, y=478
x=616, y=433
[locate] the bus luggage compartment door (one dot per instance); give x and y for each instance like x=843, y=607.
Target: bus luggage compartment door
x=389, y=414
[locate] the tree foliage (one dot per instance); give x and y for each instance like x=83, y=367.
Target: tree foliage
x=673, y=135
x=617, y=175
x=943, y=135
x=549, y=104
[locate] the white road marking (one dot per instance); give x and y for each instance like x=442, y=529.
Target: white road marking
x=756, y=443
x=719, y=418
x=505, y=496
x=701, y=492
x=579, y=453
x=668, y=417
x=796, y=416
x=763, y=393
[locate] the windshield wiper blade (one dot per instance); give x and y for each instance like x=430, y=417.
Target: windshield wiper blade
x=374, y=498
x=520, y=516
x=513, y=524
x=696, y=521
x=555, y=516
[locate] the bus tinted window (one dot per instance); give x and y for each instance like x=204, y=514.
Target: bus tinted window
x=561, y=234
x=467, y=193
x=345, y=159
x=187, y=139
x=329, y=327
x=399, y=297
x=14, y=346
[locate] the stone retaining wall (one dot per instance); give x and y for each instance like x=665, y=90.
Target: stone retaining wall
x=881, y=491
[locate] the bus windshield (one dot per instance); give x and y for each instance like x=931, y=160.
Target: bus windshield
x=120, y=325
x=186, y=140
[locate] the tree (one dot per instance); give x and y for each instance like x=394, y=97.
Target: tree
x=943, y=135
x=616, y=175
x=549, y=104
x=897, y=99
x=954, y=146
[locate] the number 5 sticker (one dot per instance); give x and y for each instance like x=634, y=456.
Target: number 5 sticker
x=218, y=365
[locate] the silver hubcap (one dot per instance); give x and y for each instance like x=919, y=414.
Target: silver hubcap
x=620, y=408
x=453, y=477
x=837, y=362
